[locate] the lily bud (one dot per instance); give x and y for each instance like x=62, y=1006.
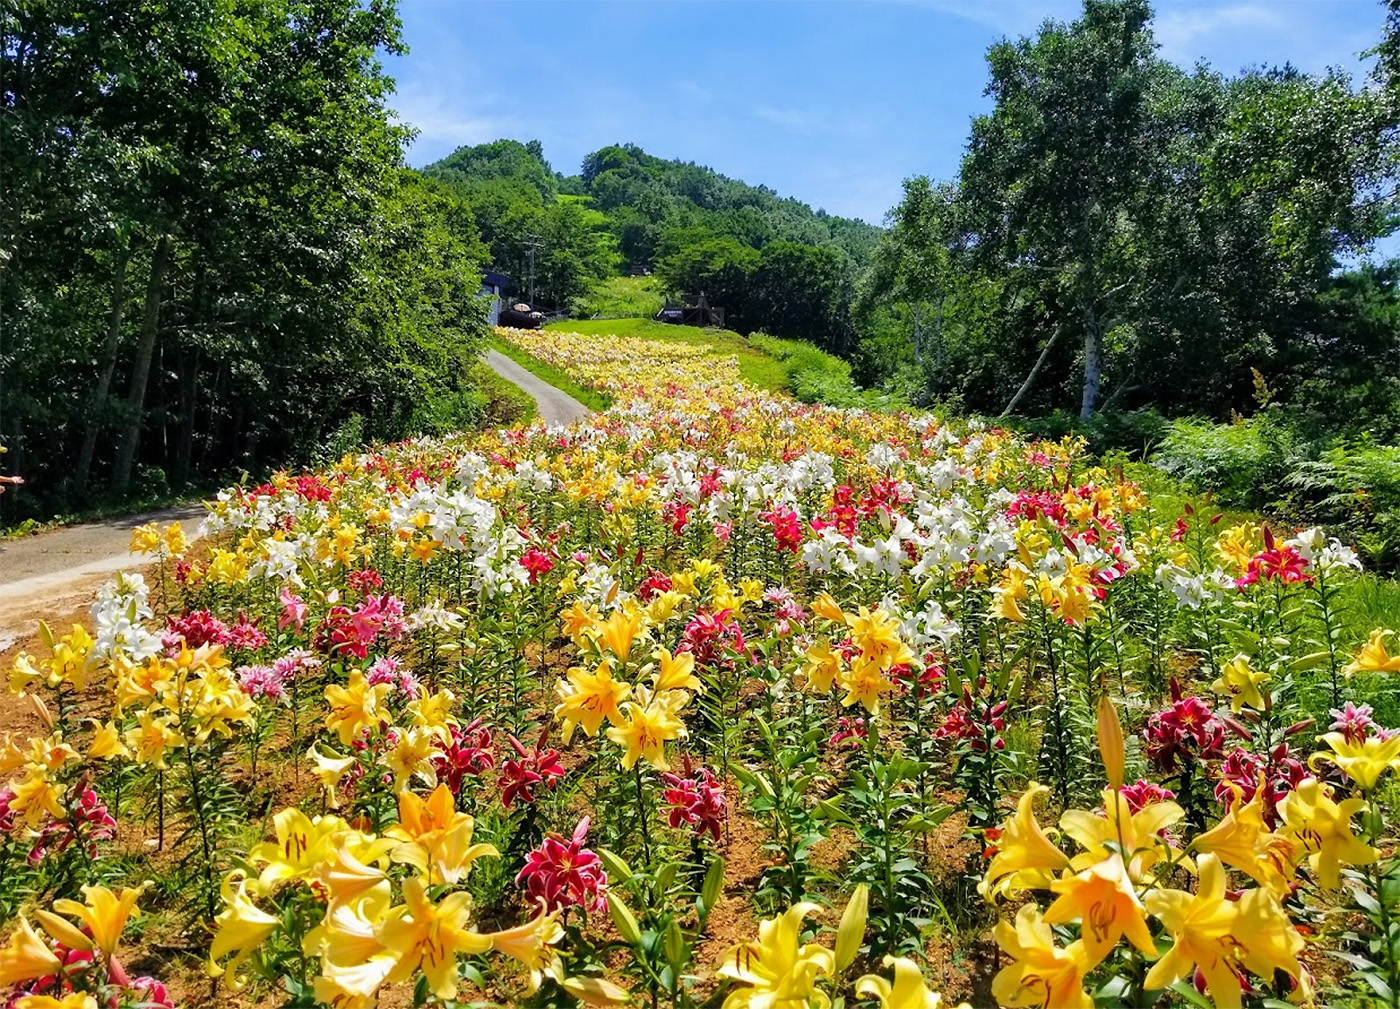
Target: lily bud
x=1111, y=741
x=852, y=928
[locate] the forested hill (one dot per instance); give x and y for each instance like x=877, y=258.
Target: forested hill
x=653, y=204
x=772, y=263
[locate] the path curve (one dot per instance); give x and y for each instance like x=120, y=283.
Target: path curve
x=555, y=407
x=59, y=570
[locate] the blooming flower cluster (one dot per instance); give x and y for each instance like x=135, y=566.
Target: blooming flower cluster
x=411, y=639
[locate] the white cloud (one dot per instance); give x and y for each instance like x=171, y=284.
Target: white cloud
x=779, y=117
x=1185, y=30
x=442, y=126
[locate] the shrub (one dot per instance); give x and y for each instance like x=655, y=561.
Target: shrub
x=813, y=375
x=1244, y=463
x=1357, y=489
x=1137, y=433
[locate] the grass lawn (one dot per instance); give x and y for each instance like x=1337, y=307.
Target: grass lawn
x=624, y=296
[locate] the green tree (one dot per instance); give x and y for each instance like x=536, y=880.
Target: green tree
x=199, y=283
x=720, y=268
x=802, y=291
x=1051, y=171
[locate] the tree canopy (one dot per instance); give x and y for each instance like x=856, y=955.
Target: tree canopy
x=1125, y=233
x=213, y=255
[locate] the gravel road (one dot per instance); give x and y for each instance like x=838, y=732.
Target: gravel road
x=58, y=570
x=555, y=407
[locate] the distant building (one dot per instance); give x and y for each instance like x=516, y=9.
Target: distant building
x=697, y=311
x=493, y=286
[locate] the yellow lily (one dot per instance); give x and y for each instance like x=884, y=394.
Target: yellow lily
x=1241, y=683
x=355, y=986
x=1220, y=936
x=648, y=724
x=822, y=667
x=355, y=706
x=106, y=742
x=302, y=845
x=1137, y=832
x=1322, y=828
x=864, y=682
x=1009, y=594
x=26, y=957
x=434, y=712
x=663, y=606
x=1242, y=840
x=1026, y=857
x=329, y=771
x=876, y=634
x=1374, y=656
x=532, y=945
x=675, y=672
x=826, y=607
x=620, y=631
x=427, y=937
x=240, y=929
x=434, y=838
x=1273, y=942
x=346, y=934
x=412, y=755
x=347, y=879
x=907, y=991
x=578, y=620
x=1200, y=925
x=778, y=969
x=152, y=736
x=36, y=798
x=1362, y=762
x=73, y=1000
x=1103, y=899
x=586, y=699
x=1040, y=974
x=105, y=913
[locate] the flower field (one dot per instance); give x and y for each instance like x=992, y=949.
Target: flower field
x=713, y=698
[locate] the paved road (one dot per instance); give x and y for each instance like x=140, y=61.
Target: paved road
x=60, y=569
x=555, y=407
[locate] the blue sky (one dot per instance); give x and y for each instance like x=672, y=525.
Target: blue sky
x=833, y=103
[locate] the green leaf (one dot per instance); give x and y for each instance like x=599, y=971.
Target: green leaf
x=710, y=889
x=827, y=809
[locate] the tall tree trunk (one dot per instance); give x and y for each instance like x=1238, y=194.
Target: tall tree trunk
x=1093, y=365
x=938, y=336
x=189, y=405
x=141, y=370
x=189, y=372
x=1035, y=370
x=98, y=406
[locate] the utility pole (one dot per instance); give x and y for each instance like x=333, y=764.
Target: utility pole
x=533, y=243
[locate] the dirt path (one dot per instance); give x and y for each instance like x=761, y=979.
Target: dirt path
x=54, y=573
x=555, y=407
